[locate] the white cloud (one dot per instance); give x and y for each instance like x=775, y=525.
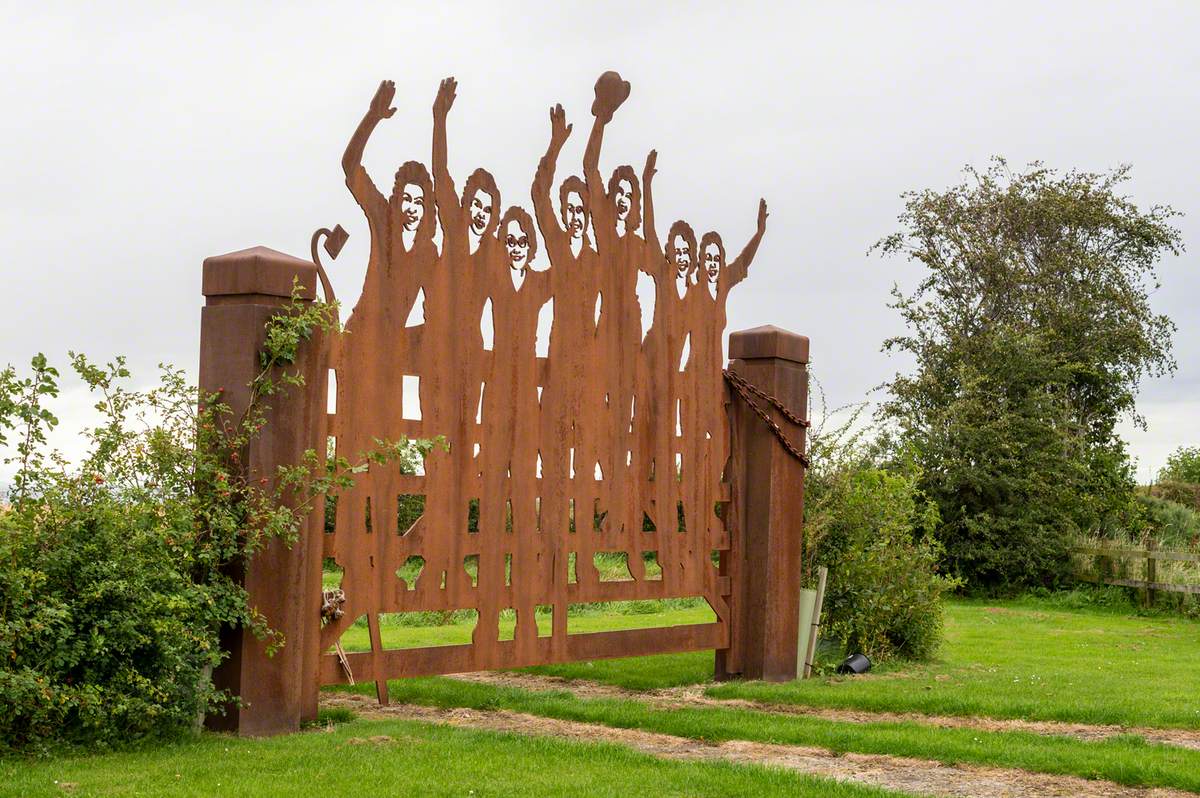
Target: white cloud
x=138, y=142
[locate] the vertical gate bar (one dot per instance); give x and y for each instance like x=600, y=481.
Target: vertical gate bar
x=243, y=291
x=767, y=510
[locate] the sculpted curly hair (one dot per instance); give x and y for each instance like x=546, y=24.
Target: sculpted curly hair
x=625, y=172
x=415, y=173
x=482, y=180
x=518, y=214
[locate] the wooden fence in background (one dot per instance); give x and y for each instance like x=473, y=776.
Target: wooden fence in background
x=1151, y=556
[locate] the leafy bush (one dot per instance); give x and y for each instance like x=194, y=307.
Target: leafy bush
x=117, y=574
x=109, y=636
x=1182, y=466
x=113, y=570
x=872, y=528
x=1171, y=525
x=884, y=593
x=1185, y=493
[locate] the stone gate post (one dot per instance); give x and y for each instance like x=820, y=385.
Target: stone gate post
x=243, y=290
x=766, y=511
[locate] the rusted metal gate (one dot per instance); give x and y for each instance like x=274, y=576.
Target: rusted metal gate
x=614, y=440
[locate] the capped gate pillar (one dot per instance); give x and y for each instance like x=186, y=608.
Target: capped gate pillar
x=766, y=511
x=242, y=291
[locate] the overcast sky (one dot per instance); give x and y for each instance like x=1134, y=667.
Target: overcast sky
x=140, y=138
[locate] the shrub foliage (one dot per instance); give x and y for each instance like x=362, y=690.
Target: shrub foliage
x=118, y=572
x=872, y=527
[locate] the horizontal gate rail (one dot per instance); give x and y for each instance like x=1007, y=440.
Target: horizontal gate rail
x=432, y=660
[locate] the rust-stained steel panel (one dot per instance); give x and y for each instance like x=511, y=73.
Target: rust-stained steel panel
x=620, y=426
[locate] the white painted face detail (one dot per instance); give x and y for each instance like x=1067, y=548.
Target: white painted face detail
x=623, y=198
x=681, y=253
x=712, y=262
x=575, y=216
x=412, y=206
x=516, y=243
x=481, y=211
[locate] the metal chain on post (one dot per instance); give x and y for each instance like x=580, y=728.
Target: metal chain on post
x=746, y=391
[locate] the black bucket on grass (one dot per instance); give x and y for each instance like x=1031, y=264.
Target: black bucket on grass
x=854, y=664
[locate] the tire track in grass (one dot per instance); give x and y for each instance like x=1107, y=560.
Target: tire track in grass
x=693, y=695
x=895, y=773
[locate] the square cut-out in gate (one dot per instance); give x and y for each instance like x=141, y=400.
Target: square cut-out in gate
x=405, y=630
x=331, y=576
x=410, y=572
x=543, y=615
x=409, y=509
x=599, y=517
x=613, y=566
x=508, y=624
x=410, y=397
x=473, y=515
x=330, y=525
x=650, y=563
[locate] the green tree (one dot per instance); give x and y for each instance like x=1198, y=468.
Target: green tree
x=1029, y=331
x=1182, y=466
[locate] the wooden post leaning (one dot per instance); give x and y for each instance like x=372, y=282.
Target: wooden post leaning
x=1151, y=572
x=815, y=632
x=243, y=290
x=766, y=512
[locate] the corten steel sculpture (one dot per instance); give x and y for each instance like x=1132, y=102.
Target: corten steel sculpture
x=615, y=442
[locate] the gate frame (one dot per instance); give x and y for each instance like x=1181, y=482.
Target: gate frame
x=764, y=516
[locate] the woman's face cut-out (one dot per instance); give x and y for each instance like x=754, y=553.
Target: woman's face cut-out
x=412, y=206
x=481, y=211
x=623, y=198
x=681, y=253
x=712, y=263
x=516, y=243
x=575, y=214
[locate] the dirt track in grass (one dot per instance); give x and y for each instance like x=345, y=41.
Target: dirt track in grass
x=897, y=773
x=693, y=695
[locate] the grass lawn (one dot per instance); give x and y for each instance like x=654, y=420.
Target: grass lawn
x=1126, y=759
x=1013, y=659
x=1010, y=659
x=420, y=759
x=1028, y=659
